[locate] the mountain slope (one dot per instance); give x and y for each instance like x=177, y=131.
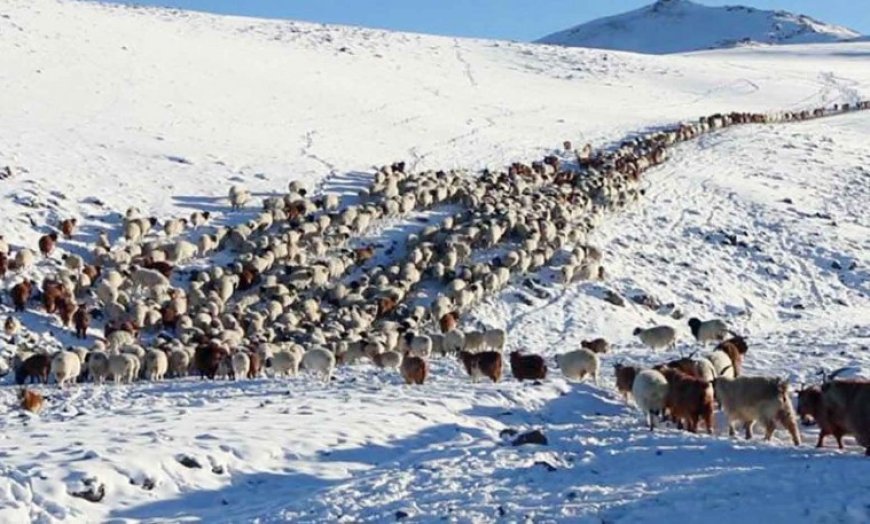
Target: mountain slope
x=675, y=26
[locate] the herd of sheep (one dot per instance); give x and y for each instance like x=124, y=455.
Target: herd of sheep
x=293, y=288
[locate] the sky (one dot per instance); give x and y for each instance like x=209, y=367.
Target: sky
x=522, y=20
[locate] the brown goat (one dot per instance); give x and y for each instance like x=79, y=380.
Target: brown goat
x=848, y=405
x=598, y=345
x=68, y=227
x=36, y=367
x=31, y=400
x=4, y=264
x=811, y=408
x=449, y=321
x=625, y=378
x=689, y=400
x=207, y=359
x=21, y=294
x=66, y=310
x=256, y=364
x=52, y=293
x=414, y=369
x=82, y=320
x=364, y=254
x=527, y=367
x=164, y=268
x=47, y=243
x=484, y=364
x=92, y=271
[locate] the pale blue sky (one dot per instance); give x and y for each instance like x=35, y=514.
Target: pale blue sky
x=503, y=19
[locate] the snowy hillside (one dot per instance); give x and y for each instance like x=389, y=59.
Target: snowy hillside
x=677, y=26
x=765, y=226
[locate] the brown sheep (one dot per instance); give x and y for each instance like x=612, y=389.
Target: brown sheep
x=363, y=254
x=811, y=409
x=625, y=378
x=68, y=227
x=21, y=293
x=414, y=369
x=449, y=321
x=82, y=320
x=484, y=364
x=848, y=404
x=207, y=359
x=598, y=345
x=47, y=243
x=36, y=367
x=92, y=271
x=527, y=367
x=689, y=400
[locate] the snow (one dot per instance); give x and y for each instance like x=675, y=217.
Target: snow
x=677, y=26
x=103, y=101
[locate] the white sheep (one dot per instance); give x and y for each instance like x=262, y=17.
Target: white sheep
x=420, y=346
x=709, y=330
x=179, y=362
x=649, y=391
x=657, y=337
x=124, y=367
x=495, y=339
x=241, y=364
x=149, y=279
x=320, y=361
x=575, y=365
x=24, y=258
x=474, y=341
x=238, y=196
x=65, y=367
x=156, y=364
x=98, y=366
x=174, y=226
x=284, y=362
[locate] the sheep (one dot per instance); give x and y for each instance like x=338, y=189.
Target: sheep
x=283, y=362
x=11, y=326
x=414, y=369
x=847, y=402
x=174, y=227
x=65, y=367
x=241, y=364
x=625, y=376
x=709, y=330
x=319, y=360
x=527, y=367
x=657, y=337
x=34, y=367
x=24, y=258
x=689, y=399
x=156, y=364
x=750, y=399
x=453, y=342
x=179, y=362
x=148, y=278
x=811, y=409
x=575, y=365
x=47, y=243
x=484, y=364
x=449, y=321
x=650, y=389
x=238, y=196
x=494, y=339
x=123, y=367
x=598, y=345
x=721, y=364
x=735, y=348
x=419, y=345
x=98, y=366
x=199, y=218
x=387, y=360
x=31, y=400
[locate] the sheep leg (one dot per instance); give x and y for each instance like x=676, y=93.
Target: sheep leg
x=747, y=427
x=731, y=431
x=821, y=442
x=769, y=427
x=839, y=438
x=650, y=419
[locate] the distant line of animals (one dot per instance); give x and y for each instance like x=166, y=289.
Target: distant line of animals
x=298, y=282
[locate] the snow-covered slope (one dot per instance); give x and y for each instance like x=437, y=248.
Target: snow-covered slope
x=105, y=107
x=676, y=26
